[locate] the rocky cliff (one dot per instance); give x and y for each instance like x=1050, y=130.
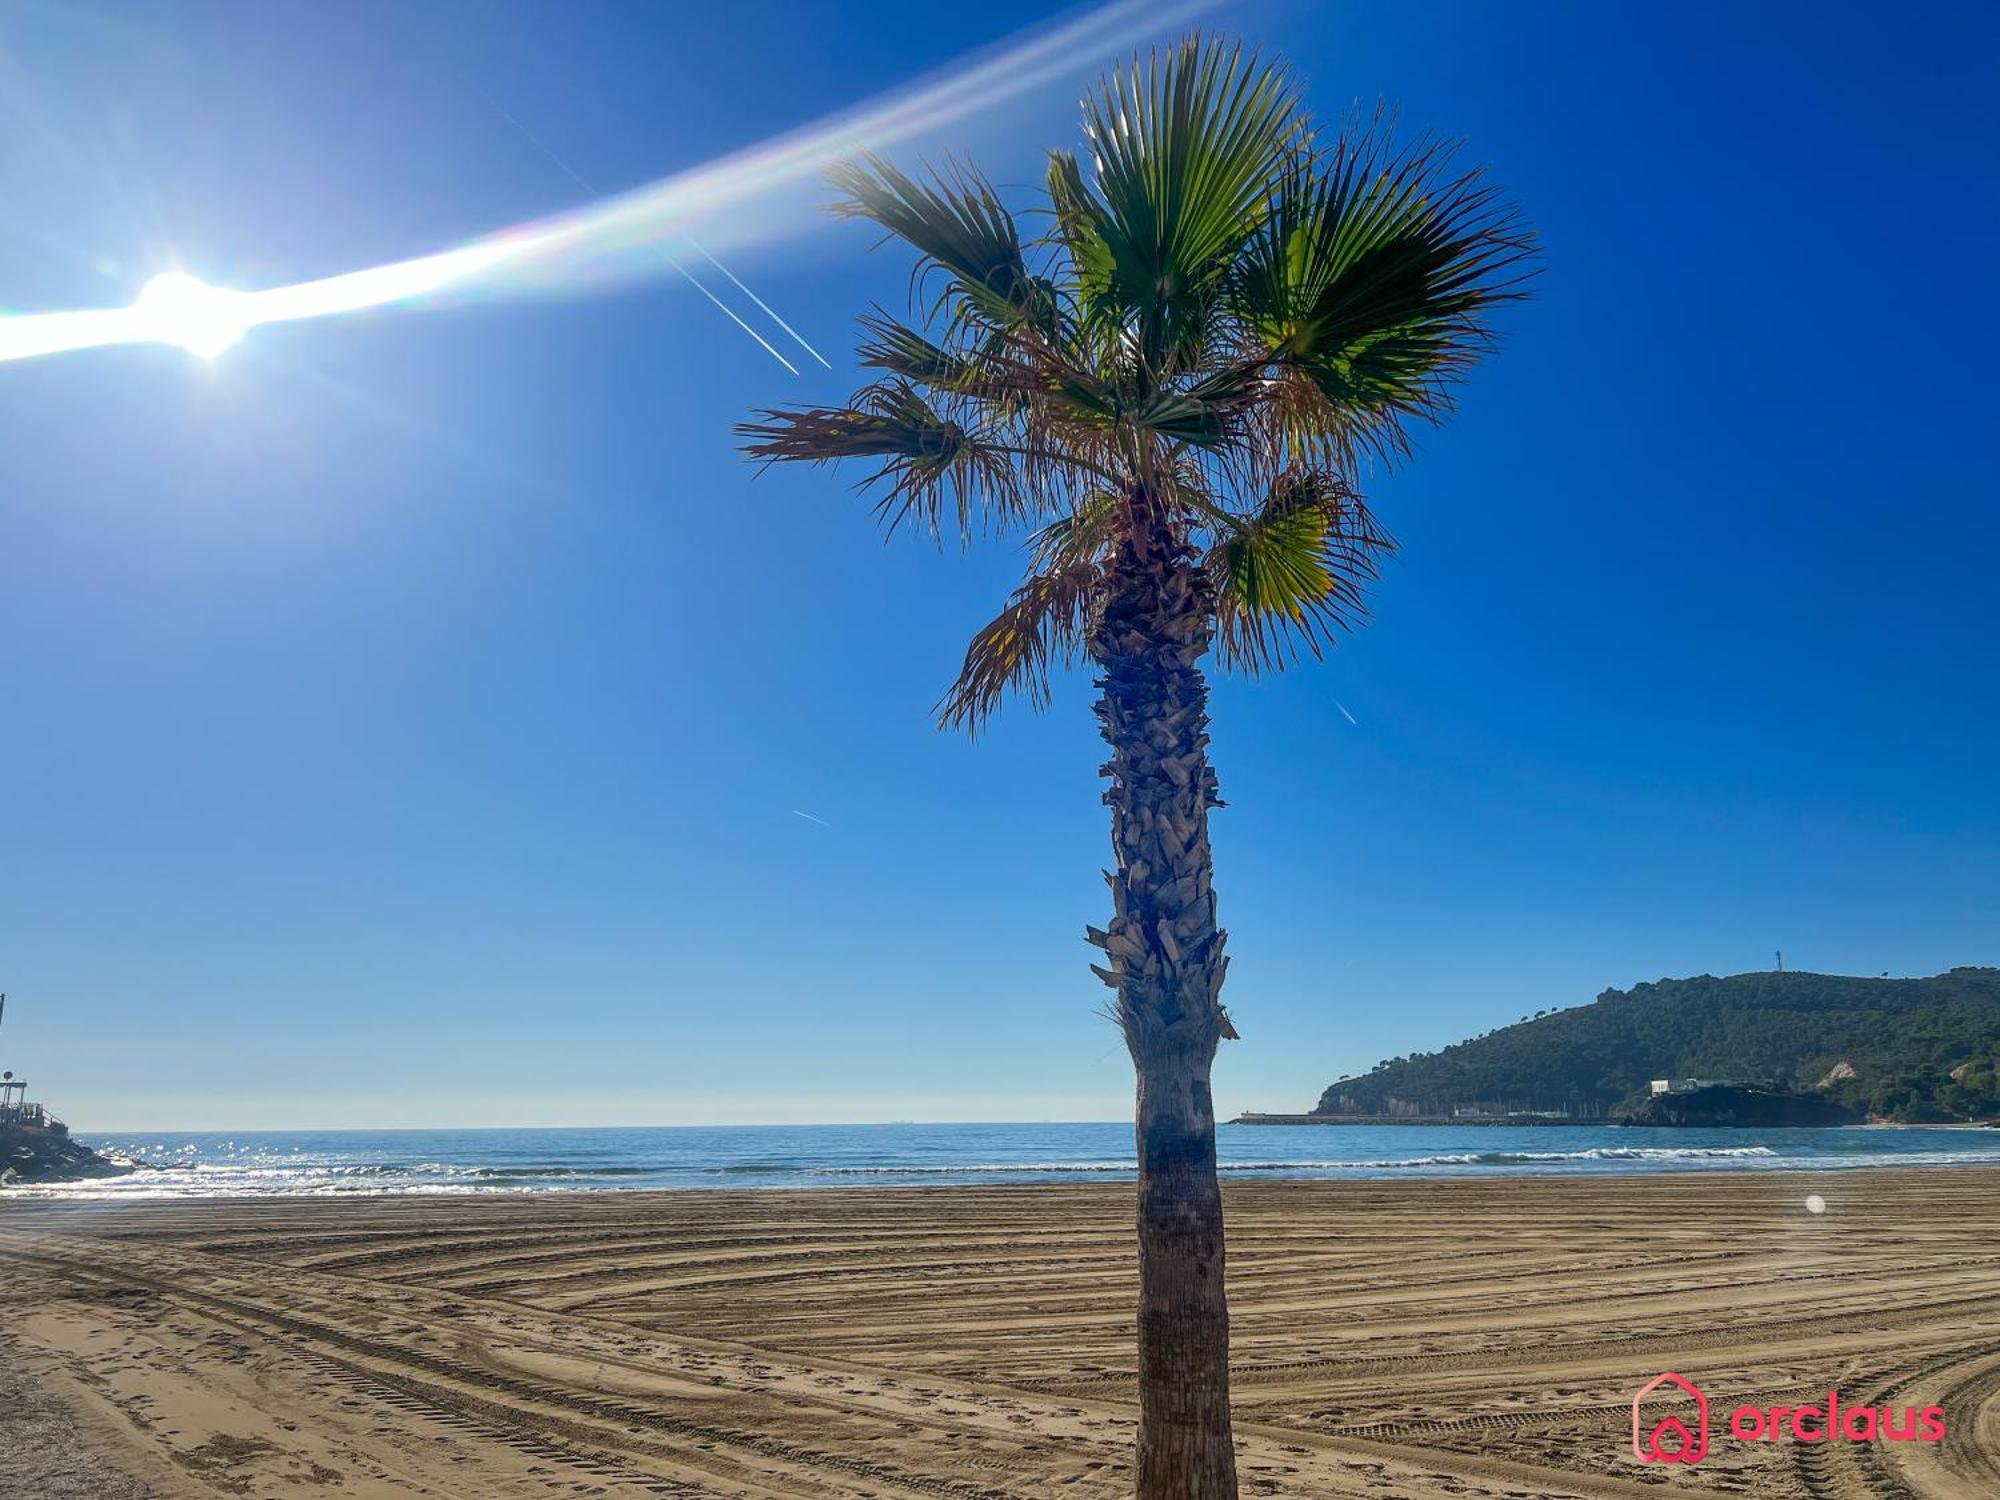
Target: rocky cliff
x=1897, y=1049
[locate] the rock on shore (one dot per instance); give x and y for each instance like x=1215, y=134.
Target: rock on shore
x=1721, y=1104
x=47, y=1154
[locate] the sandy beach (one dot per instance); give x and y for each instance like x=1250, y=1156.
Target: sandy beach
x=1464, y=1338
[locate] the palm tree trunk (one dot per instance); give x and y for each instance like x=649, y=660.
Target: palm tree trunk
x=1166, y=962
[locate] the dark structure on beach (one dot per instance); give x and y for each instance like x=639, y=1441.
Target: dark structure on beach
x=35, y=1146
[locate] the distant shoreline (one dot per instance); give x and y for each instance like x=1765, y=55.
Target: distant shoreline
x=1252, y=1117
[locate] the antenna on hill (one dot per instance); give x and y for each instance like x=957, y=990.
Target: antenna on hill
x=1781, y=960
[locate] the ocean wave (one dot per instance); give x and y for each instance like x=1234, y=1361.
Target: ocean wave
x=1346, y=1164
x=510, y=1173
x=1594, y=1153
x=983, y=1169
x=361, y=1164
x=292, y=1169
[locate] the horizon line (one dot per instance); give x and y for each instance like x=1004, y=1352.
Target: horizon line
x=684, y=1125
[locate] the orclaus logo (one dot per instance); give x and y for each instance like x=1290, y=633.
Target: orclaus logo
x=1671, y=1440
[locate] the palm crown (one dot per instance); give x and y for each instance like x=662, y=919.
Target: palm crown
x=1226, y=318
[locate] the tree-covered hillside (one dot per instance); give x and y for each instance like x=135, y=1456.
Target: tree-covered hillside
x=1901, y=1040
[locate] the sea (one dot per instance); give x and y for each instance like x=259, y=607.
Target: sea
x=250, y=1163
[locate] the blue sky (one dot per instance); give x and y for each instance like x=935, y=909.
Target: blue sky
x=405, y=716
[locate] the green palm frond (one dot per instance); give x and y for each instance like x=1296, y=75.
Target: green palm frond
x=1186, y=147
x=960, y=226
x=1059, y=417
x=1079, y=219
x=1043, y=626
x=1291, y=577
x=931, y=466
x=1184, y=417
x=1053, y=405
x=902, y=350
x=1368, y=285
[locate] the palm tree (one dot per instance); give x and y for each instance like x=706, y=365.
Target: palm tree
x=1174, y=389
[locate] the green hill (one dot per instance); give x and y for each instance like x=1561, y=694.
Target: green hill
x=1903, y=1049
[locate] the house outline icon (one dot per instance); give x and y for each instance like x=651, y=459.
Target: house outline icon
x=1693, y=1446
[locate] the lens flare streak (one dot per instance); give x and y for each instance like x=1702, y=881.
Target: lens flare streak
x=623, y=238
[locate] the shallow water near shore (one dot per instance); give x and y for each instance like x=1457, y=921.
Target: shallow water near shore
x=254, y=1163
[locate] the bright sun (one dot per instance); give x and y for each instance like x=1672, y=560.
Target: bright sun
x=175, y=308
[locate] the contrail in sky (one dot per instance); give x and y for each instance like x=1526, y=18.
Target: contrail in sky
x=810, y=818
x=1345, y=714
x=769, y=311
x=731, y=312
x=615, y=239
